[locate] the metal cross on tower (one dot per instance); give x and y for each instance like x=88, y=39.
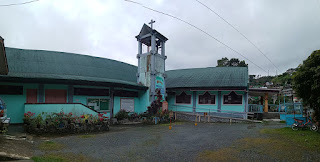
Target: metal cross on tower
x=152, y=21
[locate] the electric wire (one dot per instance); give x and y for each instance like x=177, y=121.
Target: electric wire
x=15, y=4
x=197, y=29
x=237, y=31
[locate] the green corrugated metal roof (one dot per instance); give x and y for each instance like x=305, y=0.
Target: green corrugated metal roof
x=60, y=65
x=208, y=77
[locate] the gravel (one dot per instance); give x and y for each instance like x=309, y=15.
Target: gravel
x=157, y=143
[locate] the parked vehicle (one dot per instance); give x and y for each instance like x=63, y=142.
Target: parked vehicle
x=301, y=124
x=4, y=120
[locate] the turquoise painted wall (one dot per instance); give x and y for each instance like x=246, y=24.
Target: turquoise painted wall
x=238, y=108
x=207, y=108
x=117, y=105
x=16, y=107
x=213, y=108
x=15, y=103
x=144, y=101
x=76, y=109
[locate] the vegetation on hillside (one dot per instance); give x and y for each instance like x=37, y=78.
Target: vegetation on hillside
x=306, y=82
x=284, y=79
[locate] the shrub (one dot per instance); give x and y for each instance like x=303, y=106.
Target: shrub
x=122, y=114
x=27, y=117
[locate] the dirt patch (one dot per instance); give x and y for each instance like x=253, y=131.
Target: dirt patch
x=62, y=157
x=20, y=147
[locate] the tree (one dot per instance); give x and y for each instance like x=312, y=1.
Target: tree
x=225, y=62
x=306, y=82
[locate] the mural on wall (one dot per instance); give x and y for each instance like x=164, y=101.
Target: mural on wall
x=160, y=85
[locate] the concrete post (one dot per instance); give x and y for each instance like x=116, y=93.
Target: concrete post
x=163, y=48
x=70, y=93
x=266, y=102
x=41, y=93
x=153, y=73
x=138, y=57
x=139, y=47
x=111, y=102
x=246, y=104
x=194, y=101
x=219, y=101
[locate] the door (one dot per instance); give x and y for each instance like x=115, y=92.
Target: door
x=55, y=96
x=32, y=96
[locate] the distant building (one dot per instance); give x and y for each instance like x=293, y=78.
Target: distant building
x=288, y=92
x=291, y=71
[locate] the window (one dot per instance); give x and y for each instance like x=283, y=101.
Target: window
x=207, y=98
x=232, y=98
x=11, y=90
x=98, y=104
x=91, y=92
x=183, y=98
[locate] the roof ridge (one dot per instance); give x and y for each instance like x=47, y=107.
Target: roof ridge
x=208, y=68
x=70, y=53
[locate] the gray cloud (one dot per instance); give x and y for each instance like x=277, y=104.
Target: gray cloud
x=286, y=31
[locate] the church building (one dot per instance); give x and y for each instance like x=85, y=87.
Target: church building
x=48, y=81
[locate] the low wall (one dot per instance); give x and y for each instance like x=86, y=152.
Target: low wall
x=75, y=109
x=192, y=117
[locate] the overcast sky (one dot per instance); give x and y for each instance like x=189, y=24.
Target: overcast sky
x=287, y=31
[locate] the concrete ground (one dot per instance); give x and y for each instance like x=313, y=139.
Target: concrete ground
x=185, y=142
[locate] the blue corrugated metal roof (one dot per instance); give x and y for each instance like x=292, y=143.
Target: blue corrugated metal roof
x=208, y=77
x=60, y=65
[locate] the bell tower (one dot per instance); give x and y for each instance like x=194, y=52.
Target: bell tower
x=151, y=60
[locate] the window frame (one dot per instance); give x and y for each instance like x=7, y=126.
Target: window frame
x=175, y=99
x=233, y=104
x=210, y=95
x=100, y=98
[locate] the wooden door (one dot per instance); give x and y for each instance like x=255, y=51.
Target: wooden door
x=55, y=96
x=32, y=96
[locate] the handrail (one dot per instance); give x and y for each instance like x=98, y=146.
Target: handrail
x=207, y=108
x=234, y=114
x=278, y=107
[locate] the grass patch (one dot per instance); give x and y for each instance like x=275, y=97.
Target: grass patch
x=306, y=138
x=225, y=154
x=50, y=146
x=66, y=157
x=86, y=136
x=282, y=144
